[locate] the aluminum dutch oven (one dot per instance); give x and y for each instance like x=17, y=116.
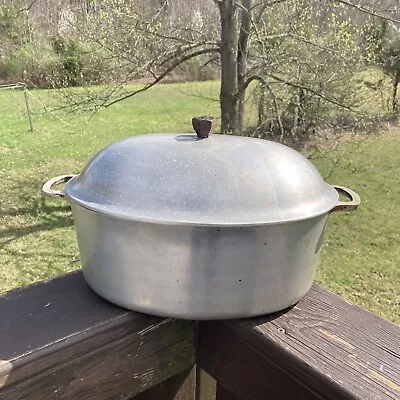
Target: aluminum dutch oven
x=199, y=227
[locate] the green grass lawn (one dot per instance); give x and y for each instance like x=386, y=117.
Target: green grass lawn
x=361, y=253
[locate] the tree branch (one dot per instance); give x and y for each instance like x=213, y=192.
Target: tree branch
x=174, y=65
x=276, y=109
x=27, y=8
x=367, y=10
x=210, y=61
x=265, y=84
x=316, y=45
x=318, y=94
x=251, y=79
x=160, y=10
x=266, y=4
x=182, y=50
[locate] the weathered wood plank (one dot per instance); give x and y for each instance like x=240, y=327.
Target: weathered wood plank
x=179, y=387
x=61, y=340
x=206, y=386
x=323, y=348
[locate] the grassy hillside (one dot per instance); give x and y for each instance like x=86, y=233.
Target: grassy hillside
x=361, y=253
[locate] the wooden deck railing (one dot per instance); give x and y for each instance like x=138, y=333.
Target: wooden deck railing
x=59, y=340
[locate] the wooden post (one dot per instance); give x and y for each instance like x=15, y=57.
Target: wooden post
x=28, y=108
x=205, y=385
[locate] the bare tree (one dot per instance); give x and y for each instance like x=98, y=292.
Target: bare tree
x=247, y=55
x=252, y=42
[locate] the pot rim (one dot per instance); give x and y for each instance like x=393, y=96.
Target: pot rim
x=338, y=205
x=133, y=218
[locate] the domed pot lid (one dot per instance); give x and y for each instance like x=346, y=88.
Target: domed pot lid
x=202, y=179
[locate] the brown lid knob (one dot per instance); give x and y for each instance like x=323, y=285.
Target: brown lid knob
x=203, y=126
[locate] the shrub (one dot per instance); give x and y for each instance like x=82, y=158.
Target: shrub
x=69, y=52
x=33, y=63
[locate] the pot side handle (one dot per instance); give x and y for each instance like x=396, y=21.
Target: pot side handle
x=346, y=205
x=48, y=191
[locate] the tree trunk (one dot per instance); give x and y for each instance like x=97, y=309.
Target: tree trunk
x=395, y=102
x=243, y=50
x=229, y=82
